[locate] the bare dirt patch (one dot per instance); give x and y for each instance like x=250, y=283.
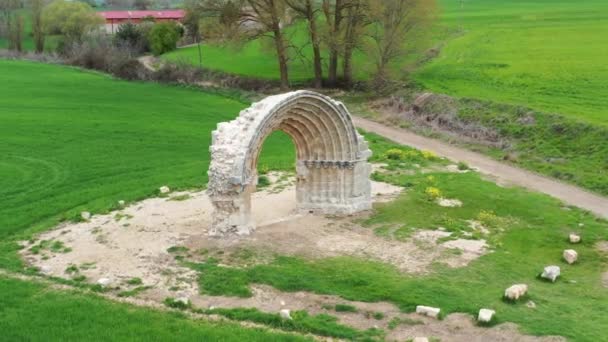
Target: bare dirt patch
x=137, y=241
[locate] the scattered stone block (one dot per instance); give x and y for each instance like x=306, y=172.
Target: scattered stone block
x=46, y=269
x=121, y=203
x=183, y=300
x=85, y=215
x=485, y=315
x=104, y=281
x=285, y=314
x=282, y=303
x=551, y=273
x=449, y=203
x=516, y=291
x=531, y=304
x=574, y=238
x=420, y=339
x=428, y=311
x=164, y=189
x=570, y=255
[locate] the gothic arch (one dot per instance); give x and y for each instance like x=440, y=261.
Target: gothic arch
x=332, y=168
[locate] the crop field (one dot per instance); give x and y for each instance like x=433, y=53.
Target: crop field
x=547, y=55
x=74, y=140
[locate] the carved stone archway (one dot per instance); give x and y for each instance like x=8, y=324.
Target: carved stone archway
x=332, y=168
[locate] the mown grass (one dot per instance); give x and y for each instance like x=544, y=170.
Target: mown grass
x=545, y=54
x=34, y=312
x=529, y=232
x=75, y=141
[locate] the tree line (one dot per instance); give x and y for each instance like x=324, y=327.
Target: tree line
x=385, y=31
x=73, y=21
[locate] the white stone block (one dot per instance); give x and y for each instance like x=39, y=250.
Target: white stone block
x=485, y=315
x=420, y=339
x=164, y=189
x=516, y=291
x=85, y=215
x=570, y=255
x=428, y=311
x=104, y=281
x=551, y=273
x=285, y=314
x=574, y=238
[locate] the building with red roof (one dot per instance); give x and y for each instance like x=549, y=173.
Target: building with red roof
x=115, y=18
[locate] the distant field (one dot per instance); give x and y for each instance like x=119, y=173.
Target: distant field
x=257, y=58
x=546, y=54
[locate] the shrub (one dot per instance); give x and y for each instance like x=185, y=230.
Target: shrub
x=345, y=308
x=131, y=36
x=395, y=154
x=428, y=155
x=432, y=192
x=462, y=166
x=263, y=181
x=163, y=37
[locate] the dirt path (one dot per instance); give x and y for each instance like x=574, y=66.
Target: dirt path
x=502, y=173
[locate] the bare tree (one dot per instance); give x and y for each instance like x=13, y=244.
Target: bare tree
x=396, y=27
x=356, y=20
x=37, y=31
x=308, y=9
x=12, y=23
x=333, y=10
x=269, y=15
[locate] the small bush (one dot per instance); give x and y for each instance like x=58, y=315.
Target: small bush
x=428, y=155
x=345, y=308
x=395, y=154
x=263, y=181
x=432, y=193
x=163, y=37
x=177, y=249
x=462, y=166
x=177, y=304
x=135, y=281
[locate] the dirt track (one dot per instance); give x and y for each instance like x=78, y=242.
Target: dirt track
x=502, y=173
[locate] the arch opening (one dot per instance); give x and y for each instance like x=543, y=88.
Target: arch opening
x=331, y=159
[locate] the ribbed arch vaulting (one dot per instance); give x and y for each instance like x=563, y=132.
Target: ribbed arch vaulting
x=332, y=168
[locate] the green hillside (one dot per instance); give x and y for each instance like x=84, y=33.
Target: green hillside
x=546, y=54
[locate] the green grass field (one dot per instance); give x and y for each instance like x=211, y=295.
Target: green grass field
x=74, y=140
x=546, y=54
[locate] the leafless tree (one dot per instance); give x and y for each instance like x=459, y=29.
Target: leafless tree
x=37, y=30
x=396, y=26
x=269, y=16
x=333, y=11
x=308, y=9
x=356, y=19
x=13, y=23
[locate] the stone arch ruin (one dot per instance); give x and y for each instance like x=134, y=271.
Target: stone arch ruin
x=332, y=168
